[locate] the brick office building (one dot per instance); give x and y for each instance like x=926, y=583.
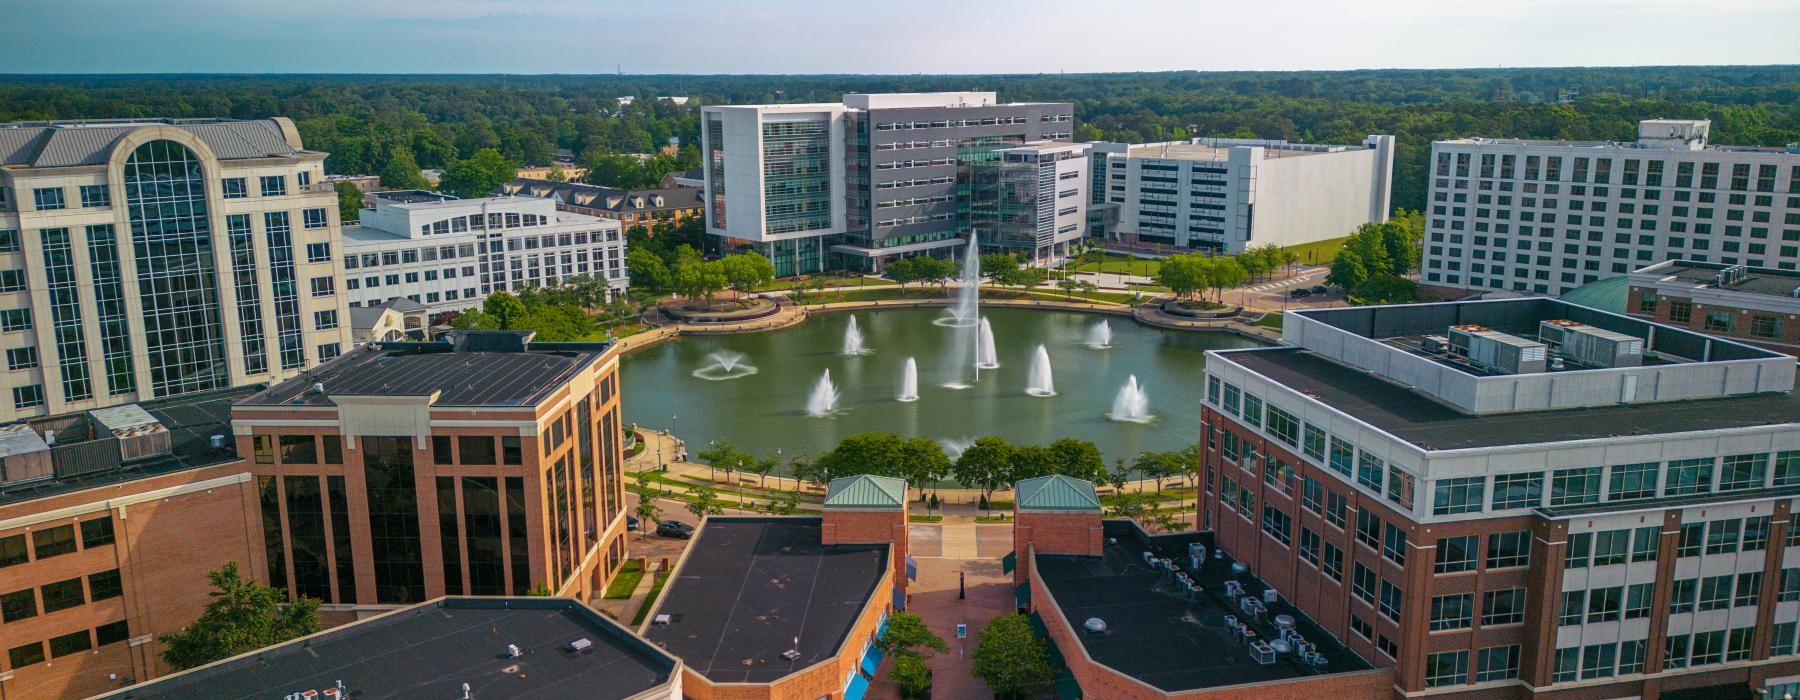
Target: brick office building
x=1546, y=520
x=110, y=520
x=1753, y=305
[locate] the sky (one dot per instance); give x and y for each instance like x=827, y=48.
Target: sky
x=880, y=36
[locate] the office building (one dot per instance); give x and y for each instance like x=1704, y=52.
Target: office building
x=492, y=647
x=1224, y=195
x=449, y=254
x=147, y=259
x=1517, y=498
x=391, y=475
x=673, y=204
x=1030, y=199
x=1544, y=217
x=856, y=183
x=1753, y=305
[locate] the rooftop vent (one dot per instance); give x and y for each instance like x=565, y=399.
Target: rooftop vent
x=513, y=651
x=580, y=645
x=1094, y=625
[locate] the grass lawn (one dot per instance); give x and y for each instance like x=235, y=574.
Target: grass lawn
x=1120, y=263
x=924, y=518
x=626, y=582
x=1270, y=320
x=662, y=578
x=829, y=280
x=1319, y=252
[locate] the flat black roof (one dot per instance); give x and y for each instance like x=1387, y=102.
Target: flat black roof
x=751, y=585
x=1164, y=638
x=1416, y=418
x=464, y=378
x=430, y=650
x=192, y=420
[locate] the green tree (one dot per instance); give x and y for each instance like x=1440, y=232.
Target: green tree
x=910, y=673
x=402, y=172
x=243, y=616
x=350, y=202
x=1221, y=273
x=1029, y=462
x=902, y=271
x=747, y=271
x=556, y=174
x=1023, y=277
x=1183, y=274
x=1010, y=658
x=647, y=511
x=698, y=279
x=703, y=502
x=1384, y=289
x=475, y=320
x=922, y=461
x=1159, y=466
x=725, y=455
x=478, y=175
x=648, y=272
x=1077, y=458
x=506, y=309
x=996, y=266
x=906, y=632
x=1363, y=256
x=881, y=454
x=985, y=463
x=938, y=271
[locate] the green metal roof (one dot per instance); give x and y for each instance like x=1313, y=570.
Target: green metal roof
x=1057, y=492
x=866, y=491
x=1604, y=294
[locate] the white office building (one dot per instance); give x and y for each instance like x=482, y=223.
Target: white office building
x=1225, y=195
x=448, y=253
x=1547, y=216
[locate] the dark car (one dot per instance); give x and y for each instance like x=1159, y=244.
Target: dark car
x=1319, y=289
x=631, y=523
x=676, y=529
x=1300, y=294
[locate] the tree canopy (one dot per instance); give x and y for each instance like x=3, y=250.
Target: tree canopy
x=1188, y=273
x=243, y=616
x=1010, y=658
x=1377, y=256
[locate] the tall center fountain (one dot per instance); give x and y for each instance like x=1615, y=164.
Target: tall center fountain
x=965, y=352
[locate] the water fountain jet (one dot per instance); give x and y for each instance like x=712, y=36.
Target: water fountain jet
x=1131, y=404
x=1040, y=383
x=723, y=365
x=909, y=381
x=824, y=398
x=1099, y=336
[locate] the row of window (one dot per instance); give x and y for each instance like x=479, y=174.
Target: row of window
x=27, y=603
x=66, y=644
x=1456, y=611
x=955, y=123
x=52, y=198
x=1452, y=667
x=55, y=541
x=1602, y=168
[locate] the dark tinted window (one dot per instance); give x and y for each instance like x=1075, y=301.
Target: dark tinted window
x=509, y=450
x=54, y=541
x=306, y=532
x=111, y=633
x=18, y=605
x=299, y=449
x=105, y=585
x=394, y=519
x=26, y=655
x=62, y=595
x=440, y=450
x=70, y=643
x=13, y=551
x=475, y=449
x=334, y=449
x=96, y=532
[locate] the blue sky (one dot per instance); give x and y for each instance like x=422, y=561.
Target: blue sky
x=880, y=36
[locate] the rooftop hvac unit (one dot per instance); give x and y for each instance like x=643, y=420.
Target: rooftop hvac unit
x=1499, y=352
x=1435, y=344
x=1591, y=346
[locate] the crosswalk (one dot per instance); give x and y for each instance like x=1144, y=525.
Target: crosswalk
x=1306, y=276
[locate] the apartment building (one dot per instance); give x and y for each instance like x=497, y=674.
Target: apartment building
x=673, y=204
x=1224, y=195
x=1753, y=305
x=448, y=253
x=390, y=475
x=1518, y=498
x=856, y=183
x=147, y=259
x=1547, y=216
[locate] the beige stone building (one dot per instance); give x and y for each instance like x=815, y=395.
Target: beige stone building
x=143, y=259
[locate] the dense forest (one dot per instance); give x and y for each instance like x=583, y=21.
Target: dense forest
x=369, y=122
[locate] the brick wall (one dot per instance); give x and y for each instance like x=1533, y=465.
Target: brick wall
x=822, y=680
x=858, y=526
x=1786, y=340
x=1104, y=683
x=1053, y=532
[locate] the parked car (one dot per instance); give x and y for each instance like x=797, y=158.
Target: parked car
x=631, y=523
x=1319, y=289
x=1300, y=293
x=675, y=529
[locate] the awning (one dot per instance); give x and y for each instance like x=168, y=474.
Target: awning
x=912, y=569
x=1022, y=597
x=871, y=660
x=859, y=686
x=1066, y=687
x=1009, y=562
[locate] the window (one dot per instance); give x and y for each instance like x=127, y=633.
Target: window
x=1604, y=603
x=1446, y=668
x=1644, y=543
x=105, y=584
x=1452, y=612
x=234, y=188
x=1575, y=486
x=1314, y=444
x=1368, y=529
x=1633, y=481
x=1578, y=550
x=1342, y=455
x=97, y=532
x=1722, y=536
x=48, y=198
x=21, y=358
x=321, y=252
x=1497, y=664
x=1309, y=546
x=1573, y=605
x=13, y=551
x=1277, y=524
x=1715, y=592
x=325, y=320
x=18, y=605
x=475, y=449
x=1518, y=491
x=1393, y=543
x=96, y=196
x=1284, y=426
x=1400, y=487
x=274, y=185
x=1756, y=534
x=54, y=541
x=1362, y=583
x=15, y=319
x=1598, y=660
x=1506, y=549
x=1253, y=411
x=324, y=286
x=1368, y=470
x=1692, y=536
x=316, y=218
x=26, y=655
x=71, y=643
x=299, y=449
x=1337, y=508
x=1709, y=648
x=28, y=396
x=1740, y=472
x=1683, y=595
x=1787, y=468
x=1503, y=607
x=1453, y=496
x=510, y=452
x=1610, y=547
x=111, y=633
x=1387, y=646
x=1361, y=627
x=1749, y=586
x=440, y=450
x=1675, y=651
x=1333, y=564
x=62, y=595
x=1689, y=476
x=1456, y=554
x=1390, y=600
x=9, y=237
x=1312, y=494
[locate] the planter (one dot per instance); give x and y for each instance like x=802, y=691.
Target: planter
x=1178, y=308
